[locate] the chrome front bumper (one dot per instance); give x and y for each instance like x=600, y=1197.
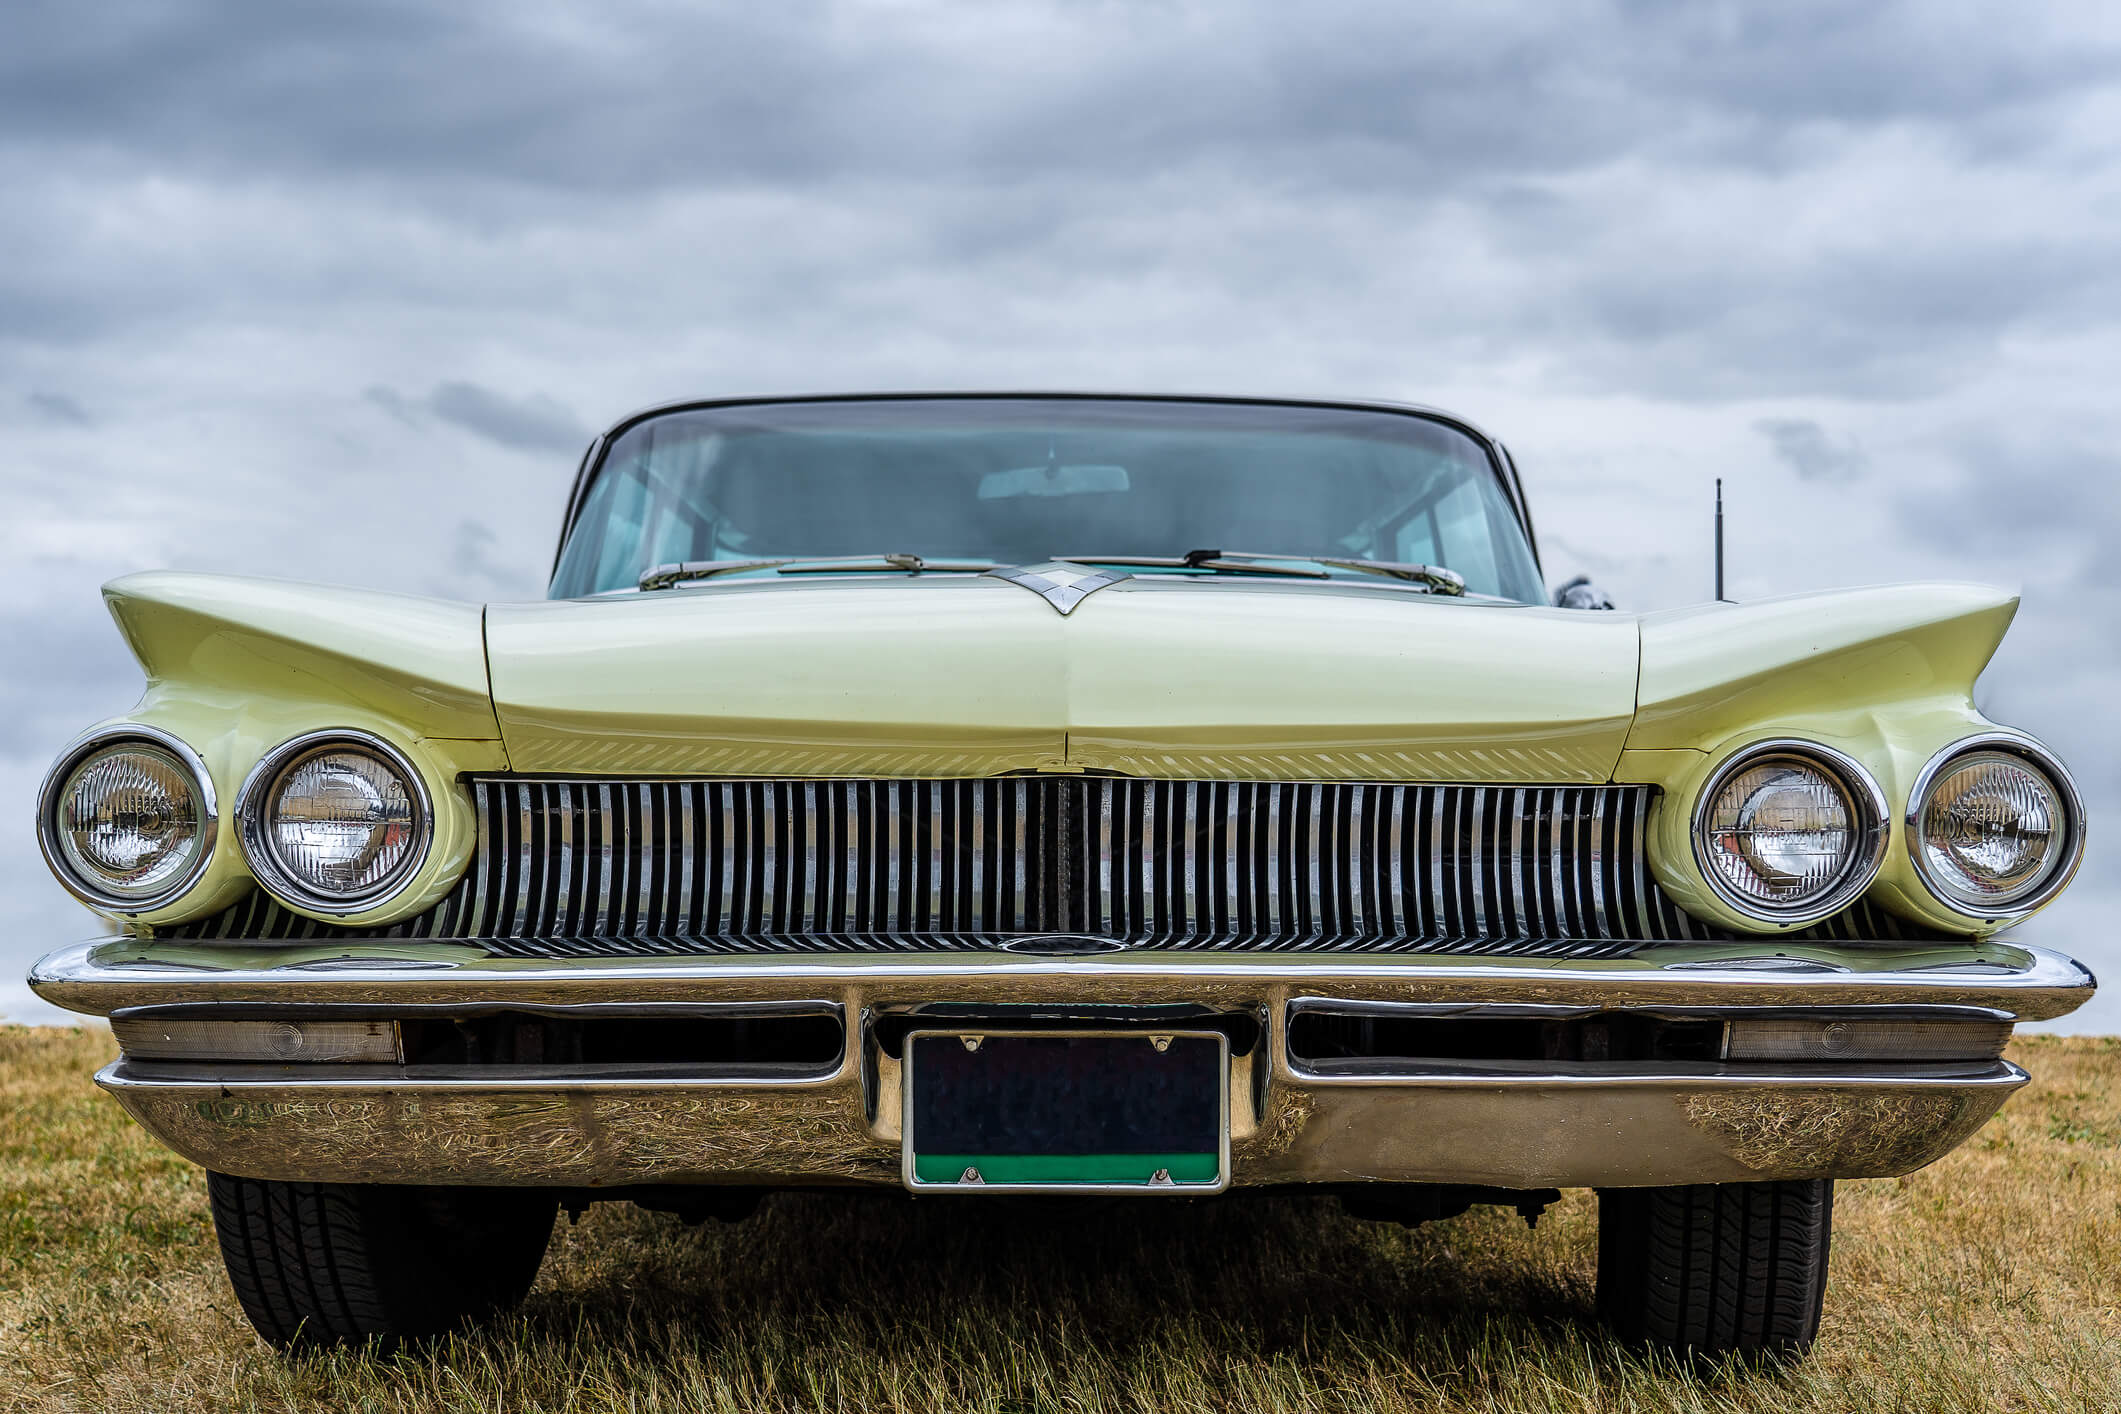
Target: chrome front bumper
x=1564, y=1124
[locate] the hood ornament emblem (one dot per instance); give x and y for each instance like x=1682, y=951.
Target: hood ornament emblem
x=1062, y=944
x=1062, y=585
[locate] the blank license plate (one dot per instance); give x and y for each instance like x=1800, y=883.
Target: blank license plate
x=1067, y=1111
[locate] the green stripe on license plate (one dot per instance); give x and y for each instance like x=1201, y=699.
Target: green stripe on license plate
x=1067, y=1168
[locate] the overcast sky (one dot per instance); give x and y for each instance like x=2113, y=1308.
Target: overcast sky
x=340, y=291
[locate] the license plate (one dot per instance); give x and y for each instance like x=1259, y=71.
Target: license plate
x=1046, y=1111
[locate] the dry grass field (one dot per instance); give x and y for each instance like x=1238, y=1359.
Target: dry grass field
x=1988, y=1282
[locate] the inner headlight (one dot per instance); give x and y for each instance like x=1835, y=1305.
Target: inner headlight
x=1789, y=831
x=127, y=821
x=335, y=823
x=1994, y=827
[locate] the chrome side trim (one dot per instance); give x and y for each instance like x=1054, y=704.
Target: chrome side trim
x=235, y=1077
x=292, y=1010
x=48, y=806
x=2017, y=743
x=1660, y=1075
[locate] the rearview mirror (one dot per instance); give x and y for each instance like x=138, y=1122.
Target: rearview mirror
x=1083, y=480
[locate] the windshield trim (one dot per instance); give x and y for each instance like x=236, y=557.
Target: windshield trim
x=1503, y=470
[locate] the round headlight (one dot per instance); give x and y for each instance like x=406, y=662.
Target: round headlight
x=127, y=819
x=1789, y=831
x=335, y=823
x=1994, y=827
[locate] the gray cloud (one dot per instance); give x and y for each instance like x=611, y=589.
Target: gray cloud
x=393, y=402
x=2054, y=491
x=535, y=423
x=472, y=561
x=532, y=424
x=67, y=668
x=1712, y=202
x=1804, y=446
x=57, y=407
x=651, y=96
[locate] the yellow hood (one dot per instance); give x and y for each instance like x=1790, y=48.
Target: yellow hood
x=971, y=676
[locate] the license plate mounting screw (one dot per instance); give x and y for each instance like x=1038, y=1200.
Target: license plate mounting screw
x=1162, y=1043
x=971, y=1042
x=970, y=1175
x=1161, y=1178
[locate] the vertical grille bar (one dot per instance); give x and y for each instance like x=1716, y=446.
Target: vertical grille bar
x=479, y=877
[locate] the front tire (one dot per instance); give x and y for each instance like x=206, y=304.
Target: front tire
x=1716, y=1269
x=318, y=1264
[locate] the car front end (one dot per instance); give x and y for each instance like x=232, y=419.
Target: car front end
x=995, y=869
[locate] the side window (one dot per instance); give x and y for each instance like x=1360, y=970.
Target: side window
x=1468, y=541
x=670, y=540
x=1416, y=541
x=624, y=515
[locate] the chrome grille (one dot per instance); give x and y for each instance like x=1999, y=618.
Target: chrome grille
x=581, y=866
x=599, y=859
x=1149, y=860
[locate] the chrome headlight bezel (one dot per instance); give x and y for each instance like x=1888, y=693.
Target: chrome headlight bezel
x=2043, y=761
x=54, y=852
x=252, y=813
x=1871, y=823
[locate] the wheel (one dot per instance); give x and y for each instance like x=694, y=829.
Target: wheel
x=1716, y=1268
x=330, y=1263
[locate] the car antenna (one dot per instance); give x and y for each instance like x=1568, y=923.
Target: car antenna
x=1719, y=542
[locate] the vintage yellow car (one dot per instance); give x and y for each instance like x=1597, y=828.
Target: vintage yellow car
x=985, y=796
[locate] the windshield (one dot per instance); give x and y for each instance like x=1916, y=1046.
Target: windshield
x=1019, y=481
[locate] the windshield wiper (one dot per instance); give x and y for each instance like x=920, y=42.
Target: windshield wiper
x=911, y=564
x=1438, y=579
x=664, y=576
x=1224, y=561
x=1434, y=578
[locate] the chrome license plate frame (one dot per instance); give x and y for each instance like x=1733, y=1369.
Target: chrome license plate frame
x=1163, y=1056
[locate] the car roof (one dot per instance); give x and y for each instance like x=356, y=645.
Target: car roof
x=1056, y=394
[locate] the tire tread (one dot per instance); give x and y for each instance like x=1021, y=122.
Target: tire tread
x=1716, y=1269
x=326, y=1263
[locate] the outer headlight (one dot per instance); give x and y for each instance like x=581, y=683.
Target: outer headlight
x=1789, y=831
x=126, y=819
x=335, y=822
x=1995, y=826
